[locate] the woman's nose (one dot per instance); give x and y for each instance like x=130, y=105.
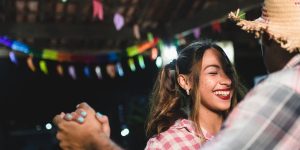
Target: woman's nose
x=225, y=80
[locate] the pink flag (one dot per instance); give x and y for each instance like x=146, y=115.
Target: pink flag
x=98, y=9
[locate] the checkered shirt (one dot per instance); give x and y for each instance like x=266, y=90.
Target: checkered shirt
x=180, y=136
x=268, y=117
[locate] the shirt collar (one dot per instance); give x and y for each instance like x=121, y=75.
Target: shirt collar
x=293, y=62
x=190, y=127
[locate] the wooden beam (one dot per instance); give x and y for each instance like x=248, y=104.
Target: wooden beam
x=209, y=14
x=64, y=30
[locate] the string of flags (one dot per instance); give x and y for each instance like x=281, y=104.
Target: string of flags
x=50, y=54
x=111, y=60
x=110, y=63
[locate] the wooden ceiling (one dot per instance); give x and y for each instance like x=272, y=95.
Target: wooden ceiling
x=70, y=25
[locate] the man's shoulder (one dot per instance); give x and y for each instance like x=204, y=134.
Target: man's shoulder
x=289, y=77
x=284, y=73
x=275, y=83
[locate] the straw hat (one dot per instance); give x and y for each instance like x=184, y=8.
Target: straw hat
x=280, y=19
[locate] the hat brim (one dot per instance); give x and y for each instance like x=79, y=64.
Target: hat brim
x=260, y=26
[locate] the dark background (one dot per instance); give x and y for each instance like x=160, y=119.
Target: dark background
x=29, y=100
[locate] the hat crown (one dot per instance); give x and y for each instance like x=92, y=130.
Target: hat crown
x=281, y=11
x=280, y=19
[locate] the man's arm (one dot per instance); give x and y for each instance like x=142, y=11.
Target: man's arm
x=267, y=118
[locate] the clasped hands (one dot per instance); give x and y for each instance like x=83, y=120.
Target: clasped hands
x=83, y=129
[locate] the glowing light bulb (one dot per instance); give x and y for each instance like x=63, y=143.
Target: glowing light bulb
x=168, y=54
x=158, y=62
x=98, y=72
x=48, y=126
x=125, y=132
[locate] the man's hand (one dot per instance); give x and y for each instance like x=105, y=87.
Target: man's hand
x=81, y=113
x=87, y=135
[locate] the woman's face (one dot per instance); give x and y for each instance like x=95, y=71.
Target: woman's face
x=215, y=86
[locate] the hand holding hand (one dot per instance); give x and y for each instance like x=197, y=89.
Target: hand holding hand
x=79, y=136
x=80, y=114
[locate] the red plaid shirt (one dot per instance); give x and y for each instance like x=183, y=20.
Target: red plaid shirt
x=268, y=117
x=182, y=135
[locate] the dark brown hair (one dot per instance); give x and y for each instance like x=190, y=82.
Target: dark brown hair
x=169, y=102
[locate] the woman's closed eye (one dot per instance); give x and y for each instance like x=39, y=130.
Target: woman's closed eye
x=213, y=73
x=212, y=70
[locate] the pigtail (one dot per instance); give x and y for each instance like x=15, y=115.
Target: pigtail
x=165, y=105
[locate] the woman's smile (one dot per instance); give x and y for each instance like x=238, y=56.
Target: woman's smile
x=224, y=94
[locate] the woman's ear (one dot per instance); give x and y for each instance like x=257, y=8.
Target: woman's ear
x=183, y=81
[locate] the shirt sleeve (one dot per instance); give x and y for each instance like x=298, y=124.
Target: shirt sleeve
x=154, y=144
x=265, y=119
x=174, y=139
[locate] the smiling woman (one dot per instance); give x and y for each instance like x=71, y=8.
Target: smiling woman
x=191, y=98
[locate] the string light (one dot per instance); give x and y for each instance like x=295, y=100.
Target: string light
x=120, y=69
x=50, y=54
x=13, y=58
x=43, y=67
x=72, y=72
x=98, y=72
x=18, y=46
x=131, y=64
x=154, y=53
x=125, y=132
x=141, y=61
x=119, y=21
x=158, y=62
x=60, y=70
x=150, y=36
x=30, y=63
x=111, y=70
x=48, y=126
x=86, y=71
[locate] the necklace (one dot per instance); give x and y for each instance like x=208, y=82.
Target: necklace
x=202, y=139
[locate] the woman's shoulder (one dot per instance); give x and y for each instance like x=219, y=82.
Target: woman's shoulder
x=178, y=136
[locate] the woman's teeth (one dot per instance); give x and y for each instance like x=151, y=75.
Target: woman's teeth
x=222, y=93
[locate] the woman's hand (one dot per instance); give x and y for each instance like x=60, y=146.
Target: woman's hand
x=80, y=114
x=87, y=134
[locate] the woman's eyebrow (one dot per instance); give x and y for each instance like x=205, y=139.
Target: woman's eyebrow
x=215, y=66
